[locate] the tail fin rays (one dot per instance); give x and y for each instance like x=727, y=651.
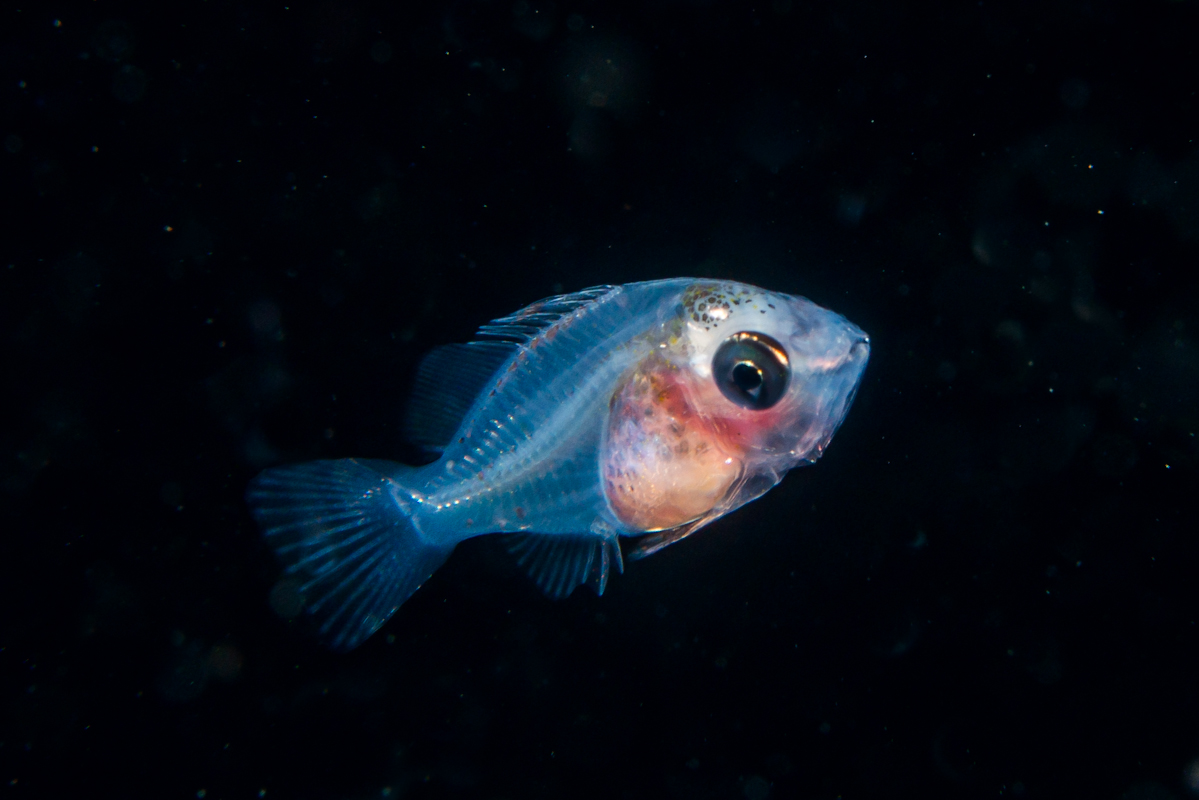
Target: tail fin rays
x=343, y=529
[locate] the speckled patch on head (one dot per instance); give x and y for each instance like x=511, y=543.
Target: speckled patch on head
x=711, y=312
x=711, y=304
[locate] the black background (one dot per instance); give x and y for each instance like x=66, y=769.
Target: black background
x=230, y=231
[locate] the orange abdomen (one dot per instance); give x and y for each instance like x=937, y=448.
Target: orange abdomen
x=663, y=464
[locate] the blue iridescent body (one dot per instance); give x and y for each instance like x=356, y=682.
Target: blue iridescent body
x=646, y=410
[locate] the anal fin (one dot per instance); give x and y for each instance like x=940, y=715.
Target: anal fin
x=558, y=562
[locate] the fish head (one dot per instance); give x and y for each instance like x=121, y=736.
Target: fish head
x=745, y=385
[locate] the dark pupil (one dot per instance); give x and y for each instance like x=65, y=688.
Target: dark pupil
x=748, y=378
x=751, y=370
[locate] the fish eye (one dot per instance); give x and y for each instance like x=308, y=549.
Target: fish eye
x=751, y=370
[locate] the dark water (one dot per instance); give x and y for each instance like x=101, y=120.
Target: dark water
x=231, y=232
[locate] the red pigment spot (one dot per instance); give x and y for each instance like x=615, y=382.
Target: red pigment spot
x=520, y=512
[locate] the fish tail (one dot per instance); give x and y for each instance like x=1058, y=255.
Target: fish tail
x=344, y=529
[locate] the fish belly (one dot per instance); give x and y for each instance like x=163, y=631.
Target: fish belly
x=662, y=466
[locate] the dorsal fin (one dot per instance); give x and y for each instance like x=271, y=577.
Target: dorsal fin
x=447, y=382
x=561, y=349
x=531, y=320
x=450, y=378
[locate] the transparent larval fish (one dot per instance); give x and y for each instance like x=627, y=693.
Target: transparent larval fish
x=646, y=410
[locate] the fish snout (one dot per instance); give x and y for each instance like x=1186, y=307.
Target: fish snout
x=859, y=348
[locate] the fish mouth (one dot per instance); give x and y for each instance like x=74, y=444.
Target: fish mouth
x=824, y=397
x=859, y=351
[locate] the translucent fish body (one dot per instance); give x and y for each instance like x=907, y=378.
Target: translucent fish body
x=642, y=411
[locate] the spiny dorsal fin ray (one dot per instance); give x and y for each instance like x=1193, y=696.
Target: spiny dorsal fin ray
x=450, y=378
x=531, y=320
x=558, y=563
x=447, y=383
x=558, y=374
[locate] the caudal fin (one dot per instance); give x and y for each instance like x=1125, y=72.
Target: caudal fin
x=342, y=528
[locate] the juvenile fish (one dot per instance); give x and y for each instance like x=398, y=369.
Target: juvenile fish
x=646, y=410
